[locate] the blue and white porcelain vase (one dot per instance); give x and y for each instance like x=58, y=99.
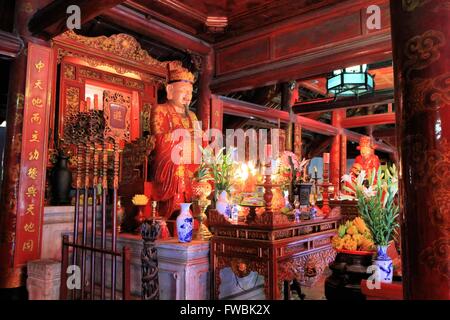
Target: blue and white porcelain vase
x=185, y=223
x=222, y=205
x=384, y=264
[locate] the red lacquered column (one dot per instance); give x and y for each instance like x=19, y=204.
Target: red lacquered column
x=14, y=277
x=421, y=43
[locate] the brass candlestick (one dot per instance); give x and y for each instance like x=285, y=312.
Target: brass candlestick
x=325, y=185
x=203, y=232
x=201, y=192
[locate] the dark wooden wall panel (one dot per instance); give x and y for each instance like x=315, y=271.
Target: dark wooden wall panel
x=385, y=19
x=299, y=39
x=244, y=55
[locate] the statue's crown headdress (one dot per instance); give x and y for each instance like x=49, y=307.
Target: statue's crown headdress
x=176, y=72
x=365, y=142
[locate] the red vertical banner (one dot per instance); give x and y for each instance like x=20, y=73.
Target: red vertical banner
x=216, y=113
x=30, y=205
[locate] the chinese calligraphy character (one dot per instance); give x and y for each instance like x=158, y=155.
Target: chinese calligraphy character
x=38, y=85
x=28, y=246
x=36, y=118
x=30, y=209
x=39, y=66
x=33, y=155
x=34, y=136
x=37, y=102
x=31, y=191
x=117, y=115
x=29, y=227
x=32, y=173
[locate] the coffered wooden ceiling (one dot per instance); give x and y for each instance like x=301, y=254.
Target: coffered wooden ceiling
x=214, y=20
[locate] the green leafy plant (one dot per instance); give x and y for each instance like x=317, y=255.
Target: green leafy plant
x=377, y=203
x=220, y=166
x=203, y=174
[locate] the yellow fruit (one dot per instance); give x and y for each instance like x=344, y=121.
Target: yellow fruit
x=358, y=238
x=347, y=237
x=352, y=230
x=350, y=245
x=359, y=223
x=367, y=245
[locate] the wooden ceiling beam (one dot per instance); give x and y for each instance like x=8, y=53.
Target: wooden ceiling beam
x=138, y=22
x=329, y=104
x=51, y=20
x=309, y=46
x=249, y=110
x=369, y=120
x=10, y=44
x=355, y=137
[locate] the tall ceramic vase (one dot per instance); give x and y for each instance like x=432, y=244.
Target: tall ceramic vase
x=185, y=223
x=384, y=264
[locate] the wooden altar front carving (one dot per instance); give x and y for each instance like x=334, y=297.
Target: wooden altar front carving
x=276, y=248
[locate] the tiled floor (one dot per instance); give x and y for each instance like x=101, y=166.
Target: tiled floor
x=317, y=291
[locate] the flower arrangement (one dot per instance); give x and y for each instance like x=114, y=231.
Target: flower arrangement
x=377, y=203
x=289, y=167
x=353, y=236
x=140, y=200
x=220, y=166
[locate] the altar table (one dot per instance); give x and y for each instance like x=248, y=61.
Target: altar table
x=273, y=246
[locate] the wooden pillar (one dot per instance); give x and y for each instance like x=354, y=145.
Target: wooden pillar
x=10, y=276
x=204, y=98
x=343, y=155
x=335, y=153
x=289, y=95
x=421, y=51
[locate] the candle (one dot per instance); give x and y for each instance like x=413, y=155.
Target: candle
x=268, y=152
x=95, y=102
x=88, y=103
x=82, y=106
x=315, y=169
x=326, y=158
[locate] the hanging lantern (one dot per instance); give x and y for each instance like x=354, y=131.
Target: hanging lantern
x=351, y=81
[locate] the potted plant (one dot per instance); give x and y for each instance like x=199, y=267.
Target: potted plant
x=220, y=166
x=378, y=208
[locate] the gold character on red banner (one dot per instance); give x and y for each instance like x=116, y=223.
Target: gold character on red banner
x=36, y=118
x=35, y=136
x=29, y=227
x=30, y=209
x=28, y=245
x=31, y=191
x=32, y=173
x=39, y=66
x=37, y=102
x=38, y=85
x=33, y=155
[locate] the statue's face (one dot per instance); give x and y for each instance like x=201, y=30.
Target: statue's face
x=179, y=94
x=366, y=151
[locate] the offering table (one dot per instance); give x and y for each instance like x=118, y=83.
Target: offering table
x=273, y=246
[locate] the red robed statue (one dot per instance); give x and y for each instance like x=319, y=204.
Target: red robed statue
x=367, y=160
x=172, y=181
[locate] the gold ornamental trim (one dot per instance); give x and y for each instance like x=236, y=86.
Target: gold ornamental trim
x=121, y=44
x=122, y=48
